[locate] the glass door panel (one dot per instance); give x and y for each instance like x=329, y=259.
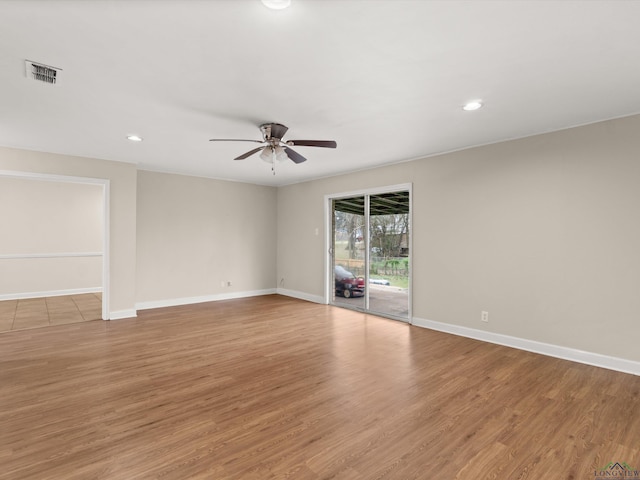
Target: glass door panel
x=389, y=254
x=349, y=252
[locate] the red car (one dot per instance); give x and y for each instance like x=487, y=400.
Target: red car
x=347, y=284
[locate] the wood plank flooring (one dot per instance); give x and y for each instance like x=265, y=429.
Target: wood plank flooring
x=272, y=387
x=43, y=312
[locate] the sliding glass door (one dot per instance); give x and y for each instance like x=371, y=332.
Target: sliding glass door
x=370, y=253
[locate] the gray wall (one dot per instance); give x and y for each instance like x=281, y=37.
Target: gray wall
x=541, y=232
x=194, y=233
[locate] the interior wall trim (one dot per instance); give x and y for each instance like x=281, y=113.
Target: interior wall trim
x=122, y=314
x=201, y=299
x=301, y=295
x=50, y=293
x=11, y=256
x=565, y=353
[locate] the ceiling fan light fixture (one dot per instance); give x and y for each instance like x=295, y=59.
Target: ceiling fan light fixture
x=267, y=154
x=281, y=155
x=276, y=4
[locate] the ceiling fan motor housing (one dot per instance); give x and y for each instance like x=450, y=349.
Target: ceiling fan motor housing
x=273, y=130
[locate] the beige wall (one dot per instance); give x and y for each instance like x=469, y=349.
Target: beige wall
x=49, y=218
x=194, y=233
x=541, y=232
x=122, y=205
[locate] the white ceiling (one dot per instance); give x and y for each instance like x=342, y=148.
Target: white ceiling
x=385, y=79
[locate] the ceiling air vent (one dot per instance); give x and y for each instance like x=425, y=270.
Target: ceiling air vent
x=43, y=73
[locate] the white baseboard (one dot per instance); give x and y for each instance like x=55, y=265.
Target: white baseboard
x=301, y=295
x=201, y=299
x=122, y=314
x=565, y=353
x=50, y=293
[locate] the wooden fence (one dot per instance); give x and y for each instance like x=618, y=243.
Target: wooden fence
x=378, y=267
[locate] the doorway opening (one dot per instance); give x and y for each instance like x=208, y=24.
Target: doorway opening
x=59, y=248
x=369, y=254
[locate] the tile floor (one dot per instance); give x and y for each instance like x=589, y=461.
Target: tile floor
x=42, y=312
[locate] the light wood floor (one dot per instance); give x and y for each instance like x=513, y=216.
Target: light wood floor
x=43, y=312
x=272, y=387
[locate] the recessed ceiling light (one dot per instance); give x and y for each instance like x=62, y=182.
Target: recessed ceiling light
x=474, y=105
x=134, y=138
x=276, y=4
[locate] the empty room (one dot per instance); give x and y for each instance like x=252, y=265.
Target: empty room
x=308, y=239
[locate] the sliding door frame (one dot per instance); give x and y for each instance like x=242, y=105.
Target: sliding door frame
x=329, y=284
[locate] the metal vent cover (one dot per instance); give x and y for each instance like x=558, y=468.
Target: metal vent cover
x=42, y=73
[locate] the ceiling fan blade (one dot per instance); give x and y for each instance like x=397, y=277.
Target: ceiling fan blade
x=295, y=156
x=249, y=153
x=313, y=143
x=233, y=140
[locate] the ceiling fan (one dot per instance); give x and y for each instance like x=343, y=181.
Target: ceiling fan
x=274, y=147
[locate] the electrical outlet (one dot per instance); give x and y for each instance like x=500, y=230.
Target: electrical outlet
x=229, y=283
x=485, y=317
x=222, y=283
